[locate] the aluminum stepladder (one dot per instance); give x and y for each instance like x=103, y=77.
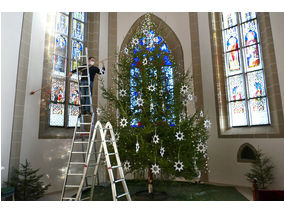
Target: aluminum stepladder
x=81, y=138
x=109, y=141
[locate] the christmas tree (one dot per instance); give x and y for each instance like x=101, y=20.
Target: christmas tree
x=149, y=99
x=27, y=183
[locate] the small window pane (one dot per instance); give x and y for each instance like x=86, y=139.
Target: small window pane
x=56, y=114
x=73, y=112
x=57, y=91
x=62, y=24
x=250, y=33
x=252, y=58
x=60, y=45
x=74, y=94
x=247, y=16
x=59, y=65
x=236, y=88
x=231, y=39
x=78, y=30
x=233, y=63
x=256, y=84
x=259, y=111
x=77, y=49
x=238, y=113
x=229, y=20
x=79, y=15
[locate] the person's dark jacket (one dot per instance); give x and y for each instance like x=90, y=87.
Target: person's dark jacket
x=92, y=70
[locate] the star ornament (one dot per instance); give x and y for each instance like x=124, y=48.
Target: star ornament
x=207, y=124
x=178, y=166
x=179, y=135
x=190, y=97
x=201, y=148
x=122, y=92
x=144, y=62
x=162, y=151
x=155, y=169
x=126, y=50
x=127, y=165
x=99, y=111
x=123, y=122
x=140, y=101
x=184, y=89
x=156, y=139
x=135, y=41
x=151, y=88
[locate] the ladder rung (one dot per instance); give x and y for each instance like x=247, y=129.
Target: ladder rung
x=85, y=104
x=82, y=66
x=72, y=186
x=77, y=142
x=120, y=180
x=84, y=85
x=82, y=132
x=77, y=163
x=114, y=153
x=86, y=198
x=75, y=174
x=84, y=76
x=122, y=195
x=85, y=95
x=69, y=198
x=86, y=123
x=113, y=167
x=79, y=152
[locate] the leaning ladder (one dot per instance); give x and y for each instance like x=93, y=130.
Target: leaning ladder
x=81, y=137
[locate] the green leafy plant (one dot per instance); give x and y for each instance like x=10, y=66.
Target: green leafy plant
x=27, y=183
x=261, y=170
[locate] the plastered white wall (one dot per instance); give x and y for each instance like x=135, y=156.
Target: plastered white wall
x=223, y=164
x=11, y=28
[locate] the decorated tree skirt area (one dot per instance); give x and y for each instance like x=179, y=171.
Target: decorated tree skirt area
x=170, y=191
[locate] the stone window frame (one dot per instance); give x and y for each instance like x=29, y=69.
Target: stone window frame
x=239, y=155
x=91, y=41
x=276, y=128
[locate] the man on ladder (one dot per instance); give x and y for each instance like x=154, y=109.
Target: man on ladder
x=93, y=70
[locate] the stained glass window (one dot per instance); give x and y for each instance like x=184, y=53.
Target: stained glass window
x=62, y=38
x=150, y=41
x=246, y=89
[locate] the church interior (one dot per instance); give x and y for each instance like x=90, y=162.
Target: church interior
x=235, y=61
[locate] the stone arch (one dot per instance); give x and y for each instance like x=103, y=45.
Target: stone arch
x=166, y=33
x=246, y=153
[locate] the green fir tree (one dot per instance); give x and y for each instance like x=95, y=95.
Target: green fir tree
x=261, y=170
x=27, y=183
x=148, y=99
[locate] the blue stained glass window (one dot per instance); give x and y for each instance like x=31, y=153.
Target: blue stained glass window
x=150, y=41
x=247, y=101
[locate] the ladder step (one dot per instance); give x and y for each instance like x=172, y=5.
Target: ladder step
x=79, y=152
x=84, y=76
x=82, y=66
x=113, y=167
x=122, y=195
x=75, y=174
x=77, y=163
x=85, y=104
x=72, y=186
x=82, y=132
x=86, y=198
x=80, y=142
x=69, y=198
x=114, y=153
x=85, y=95
x=86, y=123
x=119, y=180
x=84, y=85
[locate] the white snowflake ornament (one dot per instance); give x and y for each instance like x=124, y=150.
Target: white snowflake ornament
x=99, y=111
x=207, y=124
x=182, y=116
x=184, y=102
x=190, y=97
x=122, y=92
x=179, y=135
x=201, y=148
x=126, y=50
x=116, y=136
x=151, y=107
x=135, y=41
x=123, y=122
x=127, y=165
x=184, y=89
x=178, y=166
x=151, y=88
x=137, y=146
x=156, y=139
x=155, y=169
x=144, y=62
x=139, y=101
x=201, y=114
x=162, y=151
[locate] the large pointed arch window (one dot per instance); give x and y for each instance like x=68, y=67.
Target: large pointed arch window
x=150, y=40
x=245, y=80
x=66, y=44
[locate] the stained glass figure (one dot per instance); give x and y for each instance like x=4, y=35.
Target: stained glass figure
x=79, y=15
x=73, y=112
x=256, y=84
x=233, y=62
x=250, y=33
x=77, y=49
x=56, y=114
x=238, y=113
x=74, y=94
x=62, y=24
x=77, y=30
x=237, y=91
x=229, y=20
x=258, y=111
x=246, y=16
x=57, y=91
x=59, y=65
x=60, y=45
x=231, y=38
